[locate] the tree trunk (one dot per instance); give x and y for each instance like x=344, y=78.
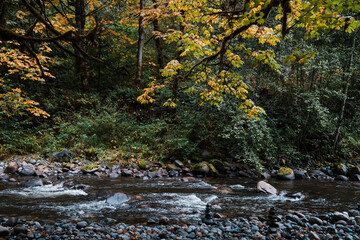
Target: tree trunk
x=159, y=47
x=80, y=63
x=3, y=8
x=348, y=81
x=140, y=44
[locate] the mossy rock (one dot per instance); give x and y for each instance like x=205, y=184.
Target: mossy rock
x=219, y=165
x=286, y=173
x=201, y=168
x=90, y=167
x=143, y=165
x=213, y=171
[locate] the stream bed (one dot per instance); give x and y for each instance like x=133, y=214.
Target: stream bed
x=170, y=197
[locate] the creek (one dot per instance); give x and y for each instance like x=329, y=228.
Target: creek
x=169, y=197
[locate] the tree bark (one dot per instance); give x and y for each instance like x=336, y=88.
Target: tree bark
x=140, y=44
x=348, y=81
x=80, y=63
x=158, y=45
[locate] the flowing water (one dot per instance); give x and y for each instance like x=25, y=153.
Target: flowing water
x=169, y=197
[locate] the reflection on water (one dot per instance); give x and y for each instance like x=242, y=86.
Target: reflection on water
x=170, y=197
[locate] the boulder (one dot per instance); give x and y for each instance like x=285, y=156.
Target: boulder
x=62, y=156
x=12, y=167
x=265, y=187
x=200, y=168
x=117, y=198
x=28, y=170
x=300, y=174
x=285, y=174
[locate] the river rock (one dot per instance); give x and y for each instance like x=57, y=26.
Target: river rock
x=4, y=231
x=314, y=236
x=340, y=169
x=265, y=187
x=200, y=168
x=11, y=222
x=12, y=167
x=28, y=170
x=35, y=183
x=341, y=216
x=62, y=156
x=342, y=178
x=126, y=173
x=300, y=174
x=81, y=224
x=117, y=198
x=179, y=164
x=297, y=195
x=20, y=229
x=315, y=220
x=317, y=174
x=237, y=187
x=113, y=175
x=285, y=174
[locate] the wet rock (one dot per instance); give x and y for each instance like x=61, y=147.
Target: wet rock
x=285, y=174
x=4, y=177
x=81, y=186
x=200, y=169
x=35, y=183
x=117, y=198
x=297, y=195
x=237, y=187
x=244, y=174
x=354, y=213
x=12, y=167
x=341, y=178
x=300, y=174
x=340, y=216
x=81, y=224
x=315, y=220
x=4, y=231
x=354, y=170
x=265, y=187
x=314, y=236
x=319, y=175
x=20, y=229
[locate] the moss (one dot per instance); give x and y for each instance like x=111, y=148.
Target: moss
x=212, y=168
x=198, y=165
x=284, y=171
x=90, y=167
x=142, y=164
x=218, y=164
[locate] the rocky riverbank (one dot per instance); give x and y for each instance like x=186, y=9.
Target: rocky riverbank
x=293, y=225
x=63, y=163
